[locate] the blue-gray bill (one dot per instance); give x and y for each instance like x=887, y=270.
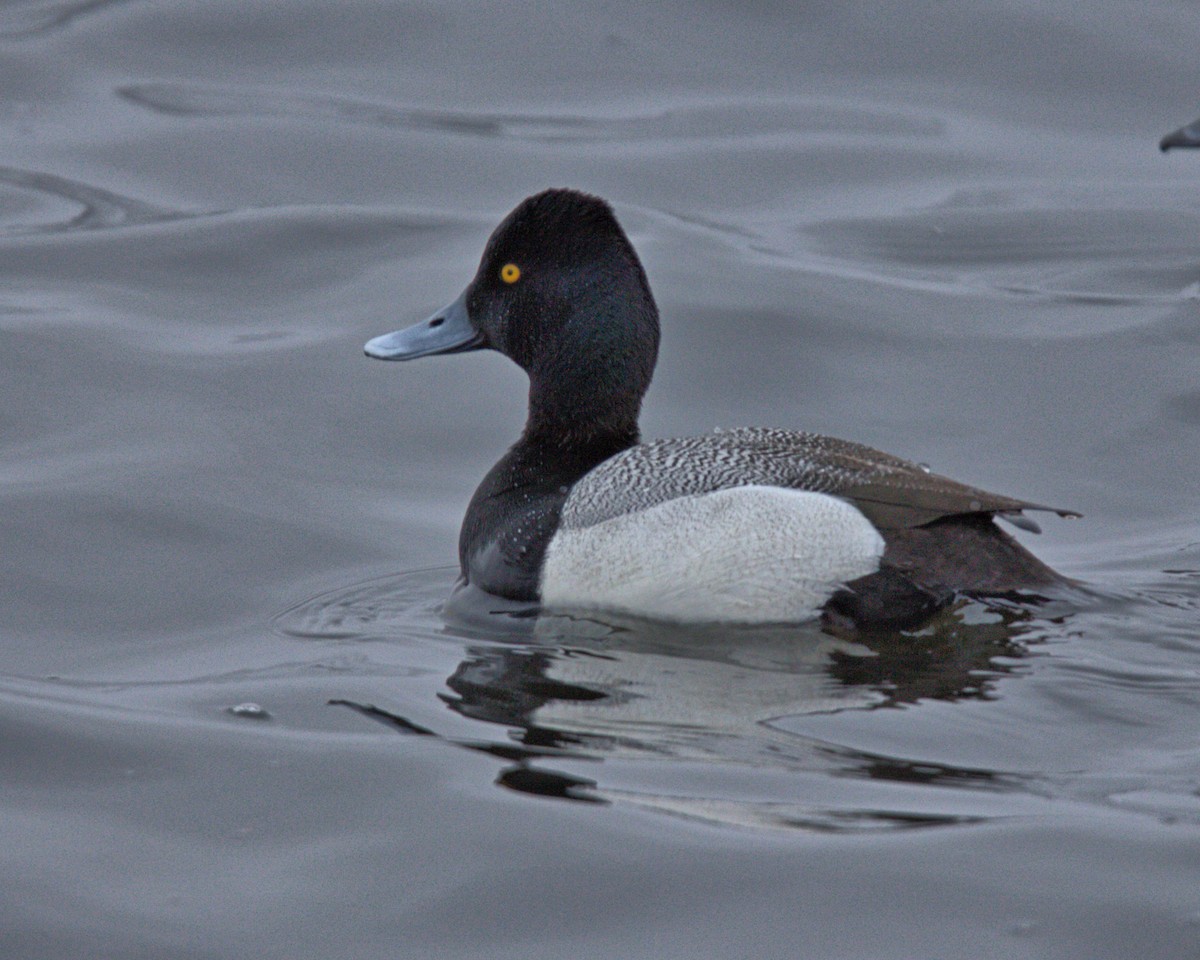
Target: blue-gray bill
x=447, y=331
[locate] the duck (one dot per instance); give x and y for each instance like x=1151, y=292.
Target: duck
x=1185, y=136
x=749, y=525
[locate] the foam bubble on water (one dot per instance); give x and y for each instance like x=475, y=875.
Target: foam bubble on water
x=251, y=711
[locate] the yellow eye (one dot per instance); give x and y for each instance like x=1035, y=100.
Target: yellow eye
x=510, y=273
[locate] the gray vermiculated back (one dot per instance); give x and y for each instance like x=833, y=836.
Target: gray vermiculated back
x=891, y=491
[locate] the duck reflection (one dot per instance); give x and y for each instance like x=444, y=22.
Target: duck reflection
x=572, y=688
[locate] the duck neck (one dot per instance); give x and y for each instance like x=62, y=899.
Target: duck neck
x=590, y=401
x=576, y=424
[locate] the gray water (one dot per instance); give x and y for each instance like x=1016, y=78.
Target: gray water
x=943, y=230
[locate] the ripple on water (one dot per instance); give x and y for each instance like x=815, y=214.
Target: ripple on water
x=390, y=606
x=729, y=119
x=26, y=20
x=1062, y=250
x=39, y=202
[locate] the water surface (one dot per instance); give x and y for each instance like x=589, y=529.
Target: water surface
x=237, y=718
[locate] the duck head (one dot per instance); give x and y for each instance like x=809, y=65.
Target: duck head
x=561, y=292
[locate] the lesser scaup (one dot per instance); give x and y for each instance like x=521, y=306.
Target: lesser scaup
x=749, y=525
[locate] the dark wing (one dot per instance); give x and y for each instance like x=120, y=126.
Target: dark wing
x=894, y=493
x=891, y=492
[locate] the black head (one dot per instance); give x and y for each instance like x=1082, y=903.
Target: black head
x=559, y=290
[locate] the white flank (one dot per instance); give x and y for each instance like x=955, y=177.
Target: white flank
x=753, y=554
